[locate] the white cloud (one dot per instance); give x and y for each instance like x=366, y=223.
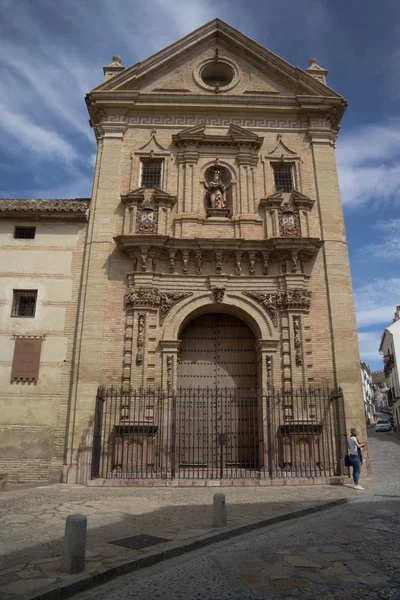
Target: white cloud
x=369, y=163
x=369, y=342
x=376, y=302
x=389, y=247
x=34, y=138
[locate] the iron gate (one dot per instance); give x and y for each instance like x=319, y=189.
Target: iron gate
x=218, y=434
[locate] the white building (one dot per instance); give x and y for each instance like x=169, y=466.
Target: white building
x=390, y=348
x=368, y=392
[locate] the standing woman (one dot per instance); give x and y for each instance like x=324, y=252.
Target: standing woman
x=355, y=456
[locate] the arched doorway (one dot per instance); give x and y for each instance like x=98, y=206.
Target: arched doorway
x=217, y=424
x=217, y=351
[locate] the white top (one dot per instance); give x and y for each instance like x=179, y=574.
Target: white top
x=351, y=442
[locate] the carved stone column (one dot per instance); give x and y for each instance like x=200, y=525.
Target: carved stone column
x=169, y=362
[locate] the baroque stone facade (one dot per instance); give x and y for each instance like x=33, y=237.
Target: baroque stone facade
x=216, y=192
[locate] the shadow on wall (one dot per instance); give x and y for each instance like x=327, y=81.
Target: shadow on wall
x=83, y=455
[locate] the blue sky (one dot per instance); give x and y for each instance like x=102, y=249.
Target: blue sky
x=53, y=53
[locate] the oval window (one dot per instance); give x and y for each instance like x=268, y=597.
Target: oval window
x=220, y=74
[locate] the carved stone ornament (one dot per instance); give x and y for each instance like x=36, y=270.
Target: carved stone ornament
x=199, y=263
x=170, y=366
x=297, y=340
x=147, y=218
x=140, y=339
x=252, y=263
x=294, y=299
x=295, y=261
x=289, y=221
x=146, y=297
x=265, y=263
x=172, y=262
x=185, y=259
x=268, y=360
x=143, y=259
x=218, y=294
x=218, y=262
x=238, y=263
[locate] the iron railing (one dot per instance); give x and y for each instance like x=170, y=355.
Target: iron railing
x=218, y=434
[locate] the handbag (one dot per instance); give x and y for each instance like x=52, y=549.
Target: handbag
x=347, y=461
x=360, y=455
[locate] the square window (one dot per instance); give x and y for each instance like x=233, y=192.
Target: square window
x=24, y=303
x=151, y=173
x=24, y=233
x=283, y=178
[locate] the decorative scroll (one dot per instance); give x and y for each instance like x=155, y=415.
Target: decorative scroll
x=294, y=299
x=26, y=361
x=268, y=301
x=153, y=298
x=218, y=294
x=140, y=339
x=297, y=340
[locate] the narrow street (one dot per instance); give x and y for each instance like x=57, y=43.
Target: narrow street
x=347, y=552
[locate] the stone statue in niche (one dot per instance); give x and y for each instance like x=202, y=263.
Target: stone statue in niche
x=216, y=191
x=217, y=184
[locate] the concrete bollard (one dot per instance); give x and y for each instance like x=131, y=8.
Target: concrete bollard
x=73, y=556
x=219, y=510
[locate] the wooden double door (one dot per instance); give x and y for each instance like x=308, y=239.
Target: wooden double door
x=217, y=424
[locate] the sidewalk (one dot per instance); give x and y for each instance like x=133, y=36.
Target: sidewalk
x=32, y=523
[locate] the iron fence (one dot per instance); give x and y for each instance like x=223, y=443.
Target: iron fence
x=218, y=434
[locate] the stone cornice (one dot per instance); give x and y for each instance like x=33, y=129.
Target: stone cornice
x=155, y=195
x=129, y=243
x=36, y=209
x=236, y=136
x=296, y=198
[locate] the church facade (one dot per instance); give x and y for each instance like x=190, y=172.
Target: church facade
x=211, y=256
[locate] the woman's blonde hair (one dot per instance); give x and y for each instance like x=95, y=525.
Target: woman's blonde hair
x=354, y=431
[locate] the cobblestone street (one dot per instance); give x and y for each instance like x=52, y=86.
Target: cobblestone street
x=347, y=552
x=326, y=553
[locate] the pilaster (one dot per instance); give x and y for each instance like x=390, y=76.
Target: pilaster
x=344, y=343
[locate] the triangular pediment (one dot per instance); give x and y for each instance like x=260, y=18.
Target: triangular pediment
x=240, y=132
x=202, y=135
x=192, y=133
x=149, y=195
x=258, y=71
x=281, y=149
x=152, y=145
